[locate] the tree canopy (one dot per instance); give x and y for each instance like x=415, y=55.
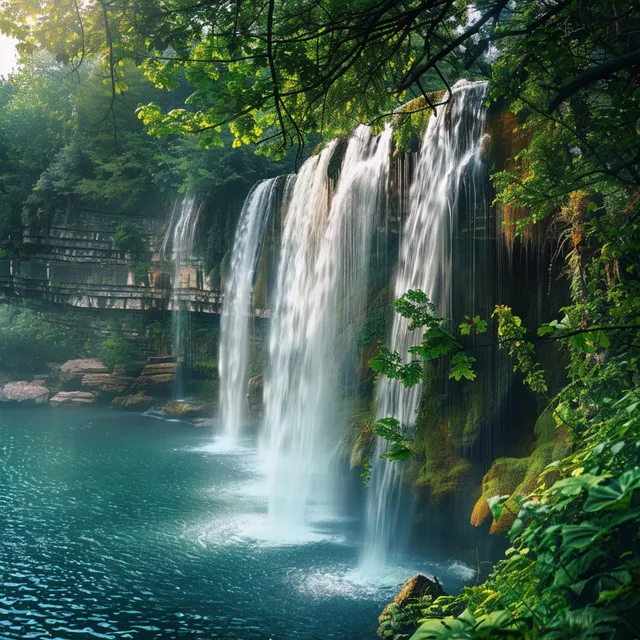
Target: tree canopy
x=275, y=71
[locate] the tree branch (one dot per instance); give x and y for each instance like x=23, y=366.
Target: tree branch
x=599, y=72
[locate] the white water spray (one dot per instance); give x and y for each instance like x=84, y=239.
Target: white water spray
x=322, y=281
x=236, y=309
x=451, y=152
x=177, y=247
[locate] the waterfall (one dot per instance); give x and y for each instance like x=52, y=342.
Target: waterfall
x=450, y=154
x=321, y=287
x=236, y=310
x=177, y=248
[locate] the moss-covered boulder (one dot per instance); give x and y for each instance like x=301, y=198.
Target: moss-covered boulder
x=184, y=410
x=400, y=618
x=516, y=477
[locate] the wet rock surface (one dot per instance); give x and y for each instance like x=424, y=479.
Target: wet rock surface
x=204, y=423
x=255, y=400
x=186, y=410
x=417, y=587
x=137, y=402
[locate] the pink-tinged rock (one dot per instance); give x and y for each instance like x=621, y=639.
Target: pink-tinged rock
x=29, y=392
x=107, y=382
x=73, y=369
x=73, y=398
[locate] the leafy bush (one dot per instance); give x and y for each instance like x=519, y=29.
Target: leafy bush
x=29, y=341
x=116, y=350
x=127, y=239
x=141, y=274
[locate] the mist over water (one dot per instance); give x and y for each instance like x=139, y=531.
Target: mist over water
x=115, y=525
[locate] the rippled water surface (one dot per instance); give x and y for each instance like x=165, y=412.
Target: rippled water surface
x=123, y=526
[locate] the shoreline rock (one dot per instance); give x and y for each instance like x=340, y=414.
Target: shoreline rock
x=397, y=619
x=135, y=402
x=184, y=410
x=74, y=370
x=158, y=375
x=79, y=398
x=34, y=392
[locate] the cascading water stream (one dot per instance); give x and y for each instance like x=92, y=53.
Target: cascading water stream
x=321, y=287
x=236, y=309
x=451, y=152
x=177, y=248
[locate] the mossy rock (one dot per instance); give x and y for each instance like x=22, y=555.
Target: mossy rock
x=184, y=410
x=515, y=477
x=360, y=441
x=438, y=467
x=419, y=597
x=412, y=119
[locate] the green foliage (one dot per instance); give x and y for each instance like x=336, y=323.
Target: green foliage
x=391, y=430
x=67, y=146
x=159, y=336
x=461, y=367
x=116, y=350
x=438, y=342
x=127, y=239
x=29, y=341
x=574, y=566
x=398, y=621
x=512, y=339
x=373, y=326
x=141, y=274
x=475, y=324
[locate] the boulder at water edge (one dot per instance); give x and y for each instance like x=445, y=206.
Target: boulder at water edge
x=115, y=382
x=157, y=377
x=186, y=410
x=25, y=392
x=78, y=398
x=74, y=370
x=397, y=618
x=136, y=402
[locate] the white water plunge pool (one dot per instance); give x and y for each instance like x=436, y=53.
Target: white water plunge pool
x=119, y=525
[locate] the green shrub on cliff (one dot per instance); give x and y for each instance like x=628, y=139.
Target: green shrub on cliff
x=116, y=350
x=29, y=340
x=127, y=239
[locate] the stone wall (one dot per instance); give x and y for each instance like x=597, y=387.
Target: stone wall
x=74, y=263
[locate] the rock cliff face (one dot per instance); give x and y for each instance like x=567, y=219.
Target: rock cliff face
x=74, y=263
